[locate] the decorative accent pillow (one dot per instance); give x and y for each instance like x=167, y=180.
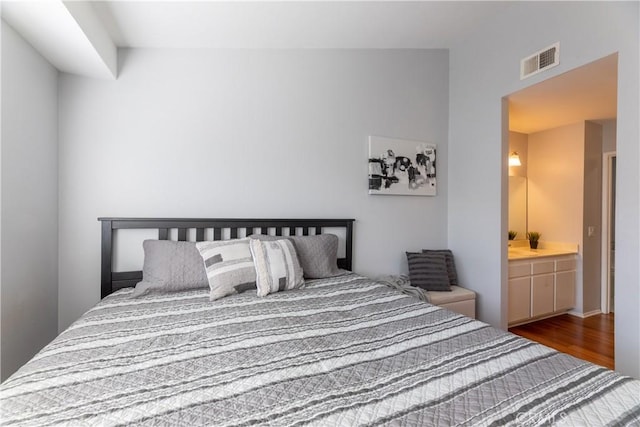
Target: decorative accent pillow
x=318, y=254
x=277, y=266
x=451, y=265
x=170, y=266
x=428, y=271
x=229, y=266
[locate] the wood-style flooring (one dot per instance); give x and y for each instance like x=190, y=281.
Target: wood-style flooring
x=588, y=339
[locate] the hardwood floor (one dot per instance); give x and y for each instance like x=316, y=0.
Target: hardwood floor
x=589, y=339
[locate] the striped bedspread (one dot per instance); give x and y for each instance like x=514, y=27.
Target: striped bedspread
x=343, y=351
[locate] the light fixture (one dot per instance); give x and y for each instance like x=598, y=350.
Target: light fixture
x=514, y=159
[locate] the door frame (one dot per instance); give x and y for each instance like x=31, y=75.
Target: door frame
x=605, y=296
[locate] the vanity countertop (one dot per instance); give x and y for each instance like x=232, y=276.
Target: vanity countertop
x=524, y=253
x=519, y=249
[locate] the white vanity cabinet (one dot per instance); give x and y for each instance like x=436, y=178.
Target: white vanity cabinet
x=541, y=287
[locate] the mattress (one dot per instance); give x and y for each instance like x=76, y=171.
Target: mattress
x=342, y=351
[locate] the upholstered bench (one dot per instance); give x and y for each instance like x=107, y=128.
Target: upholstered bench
x=460, y=300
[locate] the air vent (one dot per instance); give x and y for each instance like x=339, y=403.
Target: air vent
x=546, y=58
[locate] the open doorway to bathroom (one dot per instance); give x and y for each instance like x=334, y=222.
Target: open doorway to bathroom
x=562, y=130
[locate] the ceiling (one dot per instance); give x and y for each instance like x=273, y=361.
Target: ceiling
x=585, y=93
x=292, y=24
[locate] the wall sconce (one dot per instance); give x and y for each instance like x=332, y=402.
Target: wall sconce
x=514, y=159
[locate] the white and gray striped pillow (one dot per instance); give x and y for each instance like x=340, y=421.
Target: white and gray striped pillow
x=229, y=266
x=428, y=270
x=276, y=265
x=318, y=254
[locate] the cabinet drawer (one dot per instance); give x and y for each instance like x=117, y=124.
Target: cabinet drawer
x=519, y=270
x=566, y=264
x=542, y=267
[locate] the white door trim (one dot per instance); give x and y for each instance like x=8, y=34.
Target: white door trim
x=605, y=295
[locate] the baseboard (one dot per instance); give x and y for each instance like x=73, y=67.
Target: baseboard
x=535, y=319
x=573, y=313
x=587, y=314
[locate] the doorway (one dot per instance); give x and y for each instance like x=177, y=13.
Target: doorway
x=587, y=94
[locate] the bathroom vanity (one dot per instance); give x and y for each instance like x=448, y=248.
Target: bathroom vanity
x=542, y=283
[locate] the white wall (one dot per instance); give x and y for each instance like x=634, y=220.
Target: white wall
x=483, y=70
x=247, y=133
x=29, y=277
x=556, y=183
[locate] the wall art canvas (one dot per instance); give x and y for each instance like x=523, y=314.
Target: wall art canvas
x=401, y=167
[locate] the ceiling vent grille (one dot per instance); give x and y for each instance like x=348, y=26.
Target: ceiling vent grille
x=546, y=58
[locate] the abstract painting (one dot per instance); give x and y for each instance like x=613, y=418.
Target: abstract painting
x=401, y=167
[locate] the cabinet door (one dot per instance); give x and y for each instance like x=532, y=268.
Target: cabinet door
x=519, y=299
x=565, y=290
x=542, y=295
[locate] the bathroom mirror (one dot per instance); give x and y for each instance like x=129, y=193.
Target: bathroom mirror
x=518, y=206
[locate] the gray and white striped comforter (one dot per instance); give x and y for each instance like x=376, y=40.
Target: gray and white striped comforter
x=344, y=351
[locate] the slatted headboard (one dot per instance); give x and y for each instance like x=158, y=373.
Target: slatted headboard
x=112, y=281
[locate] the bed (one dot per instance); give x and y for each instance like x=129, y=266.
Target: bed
x=343, y=350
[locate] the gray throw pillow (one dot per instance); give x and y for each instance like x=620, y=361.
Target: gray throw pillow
x=318, y=254
x=428, y=271
x=171, y=266
x=451, y=265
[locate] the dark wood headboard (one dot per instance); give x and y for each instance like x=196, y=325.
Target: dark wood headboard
x=112, y=281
